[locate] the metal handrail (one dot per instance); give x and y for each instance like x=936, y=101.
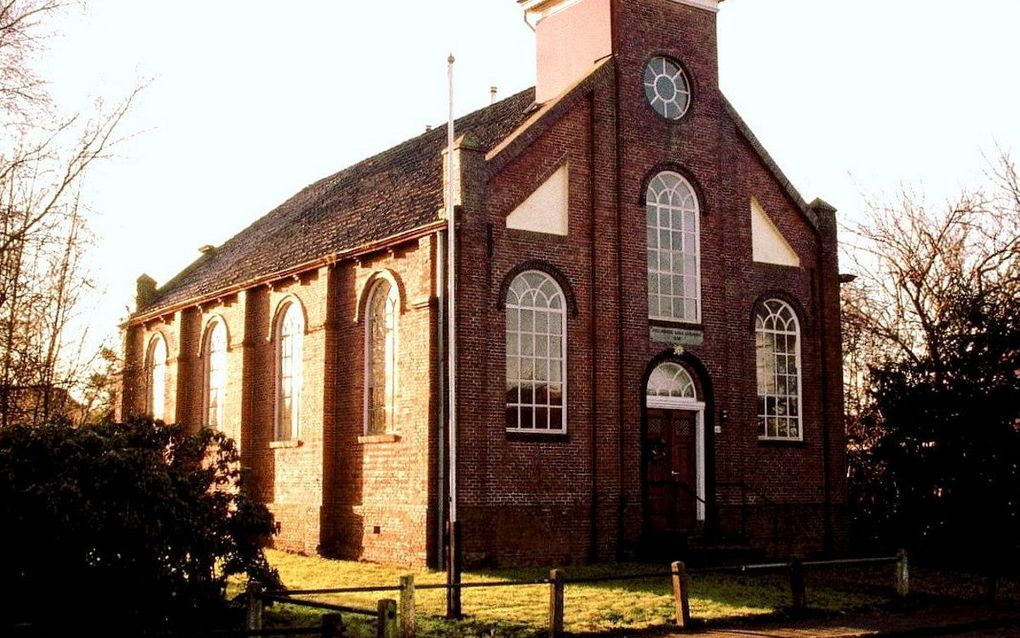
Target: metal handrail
x=744, y=489
x=690, y=490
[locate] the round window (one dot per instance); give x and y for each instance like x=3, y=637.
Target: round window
x=666, y=88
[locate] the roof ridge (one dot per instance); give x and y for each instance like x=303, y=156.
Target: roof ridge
x=389, y=192
x=770, y=164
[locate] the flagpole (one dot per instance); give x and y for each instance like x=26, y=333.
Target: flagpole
x=453, y=564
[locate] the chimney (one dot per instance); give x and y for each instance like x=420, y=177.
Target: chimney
x=572, y=35
x=145, y=288
x=492, y=94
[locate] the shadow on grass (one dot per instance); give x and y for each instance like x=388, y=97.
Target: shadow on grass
x=522, y=611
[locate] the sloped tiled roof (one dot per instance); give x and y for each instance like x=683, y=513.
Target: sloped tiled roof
x=395, y=191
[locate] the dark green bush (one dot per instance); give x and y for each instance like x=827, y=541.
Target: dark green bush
x=128, y=528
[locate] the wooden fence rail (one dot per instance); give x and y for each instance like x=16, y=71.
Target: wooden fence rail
x=397, y=619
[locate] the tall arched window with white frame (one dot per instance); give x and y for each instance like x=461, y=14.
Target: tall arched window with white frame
x=777, y=354
x=536, y=349
x=381, y=358
x=155, y=364
x=674, y=261
x=290, y=329
x=215, y=360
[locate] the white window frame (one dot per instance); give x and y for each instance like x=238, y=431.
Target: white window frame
x=762, y=313
x=214, y=325
x=155, y=406
x=676, y=76
x=652, y=194
x=561, y=315
x=289, y=310
x=392, y=354
x=688, y=402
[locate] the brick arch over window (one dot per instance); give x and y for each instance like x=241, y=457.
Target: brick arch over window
x=156, y=356
x=683, y=171
x=798, y=309
x=543, y=267
x=215, y=345
x=288, y=341
x=693, y=366
x=673, y=248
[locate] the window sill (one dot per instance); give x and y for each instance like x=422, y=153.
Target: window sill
x=772, y=442
x=369, y=439
x=554, y=436
x=276, y=445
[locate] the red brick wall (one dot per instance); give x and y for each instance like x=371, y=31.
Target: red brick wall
x=331, y=488
x=539, y=499
x=382, y=487
x=512, y=485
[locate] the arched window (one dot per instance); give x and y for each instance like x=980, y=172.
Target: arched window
x=777, y=353
x=155, y=364
x=290, y=328
x=380, y=358
x=671, y=380
x=215, y=360
x=674, y=263
x=536, y=346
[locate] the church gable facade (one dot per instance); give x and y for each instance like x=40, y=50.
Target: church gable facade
x=647, y=321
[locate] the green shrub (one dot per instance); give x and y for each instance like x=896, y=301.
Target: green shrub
x=127, y=528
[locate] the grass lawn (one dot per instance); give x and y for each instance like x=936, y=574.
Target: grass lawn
x=523, y=610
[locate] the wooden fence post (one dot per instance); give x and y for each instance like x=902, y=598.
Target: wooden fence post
x=408, y=620
x=683, y=607
x=386, y=617
x=799, y=598
x=253, y=616
x=332, y=626
x=902, y=574
x=555, y=603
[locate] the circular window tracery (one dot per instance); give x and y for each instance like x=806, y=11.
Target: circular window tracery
x=667, y=88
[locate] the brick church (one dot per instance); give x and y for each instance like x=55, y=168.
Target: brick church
x=646, y=314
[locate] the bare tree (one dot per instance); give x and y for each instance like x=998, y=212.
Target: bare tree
x=921, y=269
x=44, y=157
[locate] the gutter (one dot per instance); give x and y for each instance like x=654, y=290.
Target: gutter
x=328, y=260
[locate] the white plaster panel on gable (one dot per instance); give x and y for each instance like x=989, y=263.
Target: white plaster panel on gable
x=768, y=244
x=546, y=209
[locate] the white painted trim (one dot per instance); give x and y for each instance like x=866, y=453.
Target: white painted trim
x=206, y=357
x=697, y=250
x=563, y=350
x=541, y=9
x=710, y=5
x=373, y=290
x=699, y=452
x=673, y=403
x=282, y=310
x=152, y=402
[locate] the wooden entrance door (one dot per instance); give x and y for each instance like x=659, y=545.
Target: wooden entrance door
x=670, y=471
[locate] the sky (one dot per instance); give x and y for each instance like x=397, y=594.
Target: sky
x=246, y=102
